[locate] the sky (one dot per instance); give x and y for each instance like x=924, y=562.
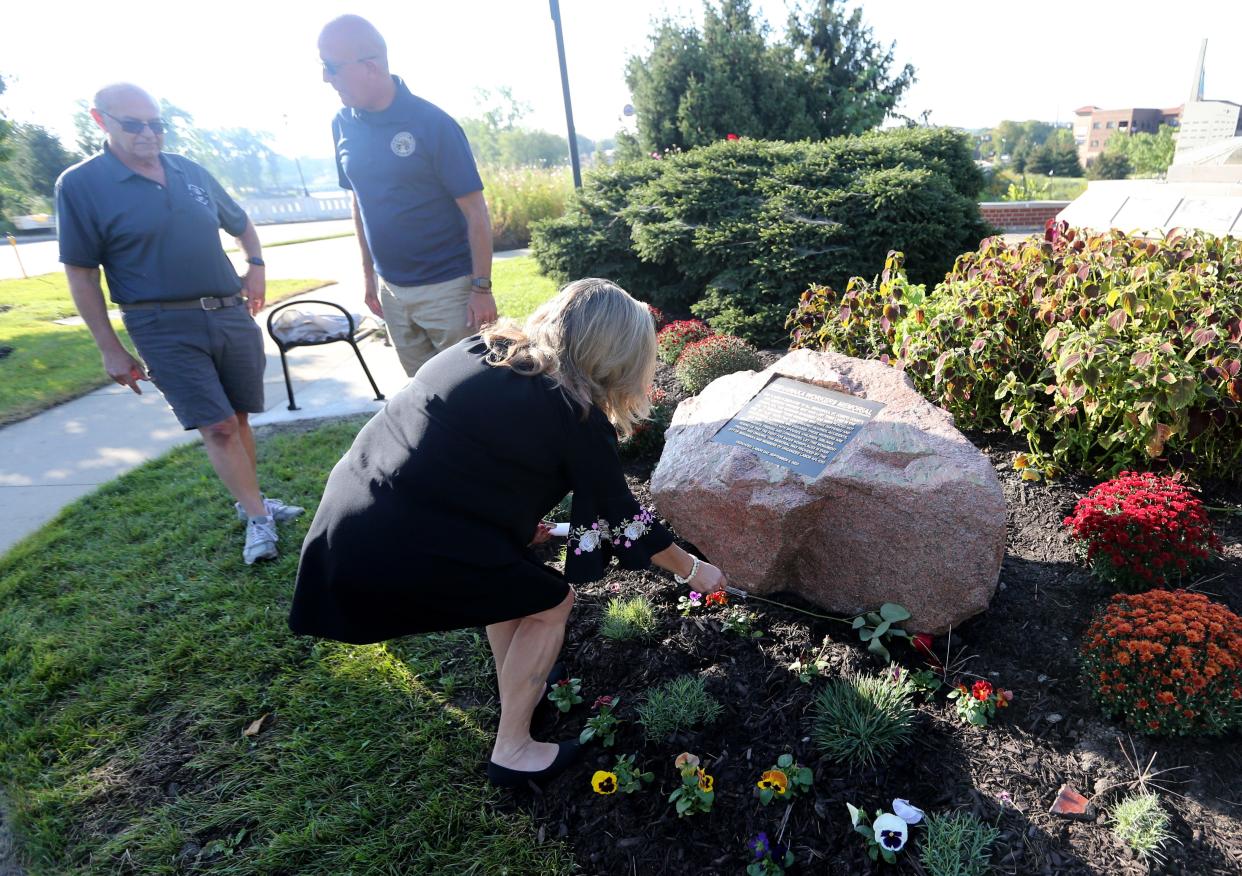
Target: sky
x=255, y=64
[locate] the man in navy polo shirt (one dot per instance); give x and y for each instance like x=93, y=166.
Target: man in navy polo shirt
x=152, y=220
x=418, y=206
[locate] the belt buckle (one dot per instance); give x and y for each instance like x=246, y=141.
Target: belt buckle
x=208, y=303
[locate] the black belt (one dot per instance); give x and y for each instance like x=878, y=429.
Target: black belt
x=187, y=304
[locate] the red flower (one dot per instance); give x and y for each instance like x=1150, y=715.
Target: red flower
x=981, y=690
x=923, y=644
x=602, y=701
x=717, y=598
x=731, y=137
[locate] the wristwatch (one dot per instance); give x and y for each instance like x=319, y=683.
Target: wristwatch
x=481, y=284
x=256, y=261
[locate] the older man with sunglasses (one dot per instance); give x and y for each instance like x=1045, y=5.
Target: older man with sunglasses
x=422, y=223
x=152, y=220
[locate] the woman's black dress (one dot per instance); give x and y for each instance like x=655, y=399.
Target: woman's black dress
x=424, y=523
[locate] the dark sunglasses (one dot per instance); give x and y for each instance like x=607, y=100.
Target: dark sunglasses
x=334, y=67
x=133, y=126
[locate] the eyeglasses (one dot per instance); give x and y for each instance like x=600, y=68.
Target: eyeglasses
x=334, y=67
x=134, y=126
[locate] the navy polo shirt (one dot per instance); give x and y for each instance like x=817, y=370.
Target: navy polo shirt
x=156, y=243
x=406, y=165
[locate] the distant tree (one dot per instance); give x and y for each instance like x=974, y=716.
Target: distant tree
x=497, y=139
x=1109, y=165
x=88, y=136
x=1149, y=155
x=8, y=193
x=5, y=129
x=1056, y=156
x=827, y=76
x=523, y=148
x=1013, y=142
x=39, y=158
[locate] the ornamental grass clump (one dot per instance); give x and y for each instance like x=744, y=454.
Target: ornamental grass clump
x=957, y=845
x=632, y=618
x=1167, y=663
x=859, y=719
x=676, y=336
x=1141, y=530
x=705, y=360
x=1142, y=823
x=680, y=704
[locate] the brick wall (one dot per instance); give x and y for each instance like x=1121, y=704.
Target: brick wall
x=1020, y=215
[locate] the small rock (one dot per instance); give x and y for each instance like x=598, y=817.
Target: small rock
x=1071, y=804
x=1053, y=717
x=1042, y=678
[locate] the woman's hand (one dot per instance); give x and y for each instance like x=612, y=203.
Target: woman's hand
x=708, y=579
x=543, y=532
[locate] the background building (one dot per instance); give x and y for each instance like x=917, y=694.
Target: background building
x=1094, y=127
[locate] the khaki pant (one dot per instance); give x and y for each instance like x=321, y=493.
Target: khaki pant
x=423, y=320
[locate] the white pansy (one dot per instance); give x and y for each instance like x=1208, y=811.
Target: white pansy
x=891, y=832
x=907, y=813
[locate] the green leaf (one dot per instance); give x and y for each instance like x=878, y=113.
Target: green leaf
x=858, y=622
x=881, y=629
x=785, y=760
x=893, y=612
x=856, y=814
x=877, y=647
x=866, y=635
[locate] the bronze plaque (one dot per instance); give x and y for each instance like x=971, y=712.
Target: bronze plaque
x=796, y=425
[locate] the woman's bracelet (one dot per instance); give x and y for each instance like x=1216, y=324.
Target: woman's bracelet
x=694, y=570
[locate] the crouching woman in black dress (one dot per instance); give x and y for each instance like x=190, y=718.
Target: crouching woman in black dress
x=426, y=522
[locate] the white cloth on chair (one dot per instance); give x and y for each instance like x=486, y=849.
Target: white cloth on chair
x=293, y=326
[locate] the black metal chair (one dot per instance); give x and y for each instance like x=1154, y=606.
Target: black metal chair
x=351, y=337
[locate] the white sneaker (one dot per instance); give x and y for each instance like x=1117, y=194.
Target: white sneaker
x=260, y=540
x=276, y=509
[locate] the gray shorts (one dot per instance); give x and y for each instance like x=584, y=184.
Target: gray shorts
x=209, y=364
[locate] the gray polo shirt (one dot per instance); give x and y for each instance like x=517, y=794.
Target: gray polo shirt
x=156, y=243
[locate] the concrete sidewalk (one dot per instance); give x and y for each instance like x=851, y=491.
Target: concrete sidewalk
x=57, y=456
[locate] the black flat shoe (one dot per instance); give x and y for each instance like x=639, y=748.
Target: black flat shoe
x=503, y=777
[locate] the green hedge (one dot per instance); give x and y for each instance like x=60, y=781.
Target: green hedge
x=735, y=231
x=1105, y=351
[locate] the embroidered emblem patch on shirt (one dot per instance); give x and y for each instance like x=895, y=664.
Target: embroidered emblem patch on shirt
x=402, y=144
x=199, y=194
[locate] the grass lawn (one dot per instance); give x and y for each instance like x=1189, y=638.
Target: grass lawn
x=137, y=648
x=53, y=363
x=520, y=288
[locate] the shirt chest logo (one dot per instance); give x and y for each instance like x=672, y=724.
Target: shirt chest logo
x=199, y=194
x=402, y=144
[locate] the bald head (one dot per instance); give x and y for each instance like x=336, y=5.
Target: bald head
x=120, y=96
x=352, y=36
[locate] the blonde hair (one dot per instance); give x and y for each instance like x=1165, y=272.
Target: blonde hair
x=594, y=341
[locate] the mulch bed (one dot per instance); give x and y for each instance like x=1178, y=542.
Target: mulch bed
x=1026, y=641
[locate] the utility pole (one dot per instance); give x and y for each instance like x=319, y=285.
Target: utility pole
x=555, y=6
